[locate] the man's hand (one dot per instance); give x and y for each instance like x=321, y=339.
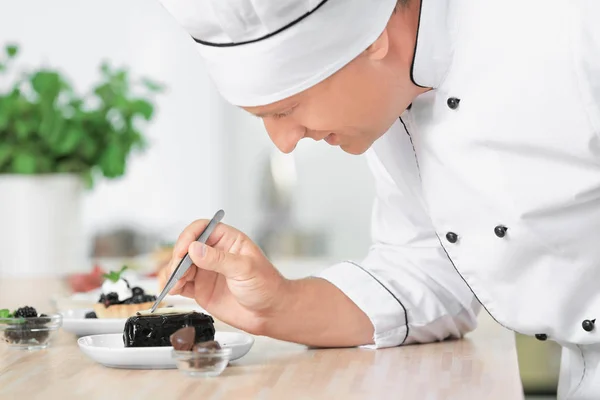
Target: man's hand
x=231, y=278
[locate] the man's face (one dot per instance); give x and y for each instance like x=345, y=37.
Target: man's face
x=351, y=109
x=355, y=106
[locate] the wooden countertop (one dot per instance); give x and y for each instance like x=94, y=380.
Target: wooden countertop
x=481, y=366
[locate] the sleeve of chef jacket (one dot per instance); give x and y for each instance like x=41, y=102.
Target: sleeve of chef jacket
x=406, y=285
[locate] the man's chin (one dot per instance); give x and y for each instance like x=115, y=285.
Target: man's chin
x=355, y=150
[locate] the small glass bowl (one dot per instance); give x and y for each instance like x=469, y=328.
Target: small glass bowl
x=29, y=333
x=204, y=363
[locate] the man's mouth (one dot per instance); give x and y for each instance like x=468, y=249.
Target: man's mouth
x=332, y=139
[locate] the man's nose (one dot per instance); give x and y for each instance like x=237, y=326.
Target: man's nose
x=285, y=135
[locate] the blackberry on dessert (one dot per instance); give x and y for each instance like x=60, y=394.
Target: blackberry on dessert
x=119, y=300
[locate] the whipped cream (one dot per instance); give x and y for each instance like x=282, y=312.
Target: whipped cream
x=120, y=287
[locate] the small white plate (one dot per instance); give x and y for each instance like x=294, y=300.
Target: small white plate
x=74, y=321
x=109, y=351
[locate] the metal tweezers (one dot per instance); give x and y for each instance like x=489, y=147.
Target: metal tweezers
x=186, y=262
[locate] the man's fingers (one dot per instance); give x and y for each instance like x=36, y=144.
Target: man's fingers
x=166, y=273
x=211, y=259
x=189, y=276
x=224, y=238
x=192, y=231
x=188, y=290
x=163, y=275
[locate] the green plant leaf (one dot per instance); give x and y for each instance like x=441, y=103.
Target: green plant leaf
x=88, y=147
x=152, y=85
x=12, y=50
x=46, y=83
x=5, y=113
x=24, y=163
x=46, y=127
x=70, y=141
x=144, y=108
x=5, y=313
x=114, y=276
x=112, y=161
x=22, y=129
x=88, y=179
x=45, y=165
x=5, y=153
x=106, y=93
x=105, y=68
x=71, y=166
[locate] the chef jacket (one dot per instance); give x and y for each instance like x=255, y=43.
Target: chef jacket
x=488, y=186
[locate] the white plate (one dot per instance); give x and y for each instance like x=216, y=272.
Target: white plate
x=74, y=321
x=109, y=351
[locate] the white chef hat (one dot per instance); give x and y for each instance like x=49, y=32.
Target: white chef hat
x=261, y=51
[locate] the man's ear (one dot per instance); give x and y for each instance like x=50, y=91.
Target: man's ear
x=380, y=48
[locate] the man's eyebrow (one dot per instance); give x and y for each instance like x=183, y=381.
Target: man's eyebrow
x=275, y=112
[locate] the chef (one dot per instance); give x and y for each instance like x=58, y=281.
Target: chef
x=481, y=123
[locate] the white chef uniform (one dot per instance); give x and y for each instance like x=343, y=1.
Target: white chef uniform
x=488, y=187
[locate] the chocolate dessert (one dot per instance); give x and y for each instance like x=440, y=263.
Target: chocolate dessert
x=154, y=330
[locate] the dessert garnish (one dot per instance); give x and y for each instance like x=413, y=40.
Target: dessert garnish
x=115, y=283
x=119, y=299
x=183, y=339
x=114, y=276
x=203, y=354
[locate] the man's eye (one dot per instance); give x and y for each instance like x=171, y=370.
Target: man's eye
x=281, y=115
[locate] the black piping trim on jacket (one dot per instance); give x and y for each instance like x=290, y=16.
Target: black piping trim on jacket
x=232, y=44
x=469, y=286
x=442, y=245
x=582, y=375
x=413, y=146
x=412, y=65
x=391, y=294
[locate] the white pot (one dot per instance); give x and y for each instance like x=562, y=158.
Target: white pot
x=40, y=225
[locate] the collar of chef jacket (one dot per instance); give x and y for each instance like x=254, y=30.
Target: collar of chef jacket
x=433, y=50
x=508, y=153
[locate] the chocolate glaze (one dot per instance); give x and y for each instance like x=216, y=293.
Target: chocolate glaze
x=155, y=330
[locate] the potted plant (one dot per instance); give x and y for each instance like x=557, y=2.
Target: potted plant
x=54, y=144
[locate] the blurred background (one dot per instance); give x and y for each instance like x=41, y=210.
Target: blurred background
x=203, y=154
